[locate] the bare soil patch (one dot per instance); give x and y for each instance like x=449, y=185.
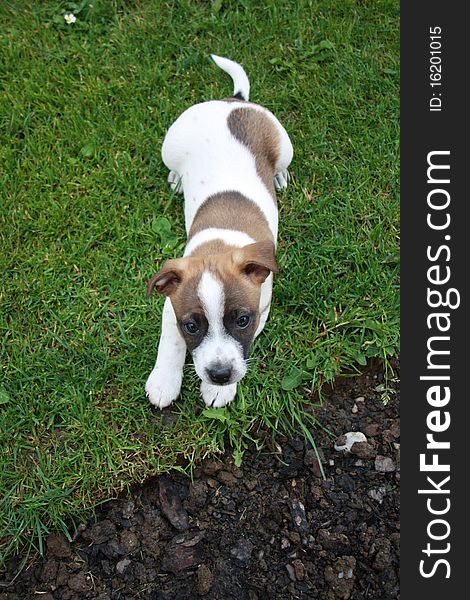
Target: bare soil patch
x=270, y=530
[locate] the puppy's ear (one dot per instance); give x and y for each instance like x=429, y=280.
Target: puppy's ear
x=168, y=278
x=256, y=261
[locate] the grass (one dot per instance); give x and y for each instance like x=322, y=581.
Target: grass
x=84, y=109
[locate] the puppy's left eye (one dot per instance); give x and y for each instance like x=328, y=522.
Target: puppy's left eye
x=243, y=321
x=191, y=327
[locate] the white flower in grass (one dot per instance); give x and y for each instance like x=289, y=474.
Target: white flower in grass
x=70, y=18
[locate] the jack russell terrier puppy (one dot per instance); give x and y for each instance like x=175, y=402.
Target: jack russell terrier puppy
x=227, y=157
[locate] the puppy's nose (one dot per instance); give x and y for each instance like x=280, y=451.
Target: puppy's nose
x=220, y=375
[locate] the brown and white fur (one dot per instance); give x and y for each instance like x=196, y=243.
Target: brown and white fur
x=227, y=157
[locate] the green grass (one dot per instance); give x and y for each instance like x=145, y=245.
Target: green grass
x=84, y=109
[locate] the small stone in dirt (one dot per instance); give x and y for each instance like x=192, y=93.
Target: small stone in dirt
x=151, y=544
x=190, y=540
x=112, y=549
x=99, y=533
x=129, y=541
x=340, y=576
x=346, y=482
x=383, y=558
x=360, y=399
x=236, y=471
x=291, y=572
x=334, y=542
x=58, y=546
x=122, y=565
x=80, y=583
x=392, y=433
x=296, y=444
x=171, y=505
x=49, y=571
x=377, y=494
x=63, y=575
x=179, y=556
x=371, y=429
x=211, y=467
x=294, y=537
x=316, y=468
x=250, y=484
x=354, y=409
x=242, y=550
x=384, y=464
x=197, y=495
x=299, y=569
x=226, y=478
x=204, y=580
x=299, y=518
x=346, y=441
x=363, y=450
x=128, y=509
x=311, y=461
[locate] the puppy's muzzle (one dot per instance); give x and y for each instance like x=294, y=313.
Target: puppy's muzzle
x=220, y=374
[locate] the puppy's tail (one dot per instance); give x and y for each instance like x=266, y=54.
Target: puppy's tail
x=241, y=85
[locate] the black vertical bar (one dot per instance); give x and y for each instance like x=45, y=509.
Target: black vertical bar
x=435, y=272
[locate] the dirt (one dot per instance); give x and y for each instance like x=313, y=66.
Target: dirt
x=272, y=529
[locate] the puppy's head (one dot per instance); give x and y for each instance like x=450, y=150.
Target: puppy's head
x=216, y=302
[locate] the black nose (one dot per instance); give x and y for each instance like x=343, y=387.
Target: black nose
x=220, y=375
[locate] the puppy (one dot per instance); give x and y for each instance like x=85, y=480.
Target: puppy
x=227, y=157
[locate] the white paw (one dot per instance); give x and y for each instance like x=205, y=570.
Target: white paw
x=175, y=182
x=281, y=180
x=163, y=386
x=217, y=396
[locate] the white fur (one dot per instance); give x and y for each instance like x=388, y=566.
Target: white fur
x=217, y=347
x=204, y=158
x=264, y=303
x=217, y=396
x=208, y=159
x=230, y=236
x=241, y=83
x=164, y=382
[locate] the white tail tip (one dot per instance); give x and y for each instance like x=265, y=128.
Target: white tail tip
x=241, y=85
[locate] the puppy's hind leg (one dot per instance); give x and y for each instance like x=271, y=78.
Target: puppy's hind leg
x=164, y=382
x=281, y=179
x=174, y=152
x=286, y=152
x=175, y=182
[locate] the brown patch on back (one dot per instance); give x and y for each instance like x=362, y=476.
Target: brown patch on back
x=259, y=134
x=231, y=210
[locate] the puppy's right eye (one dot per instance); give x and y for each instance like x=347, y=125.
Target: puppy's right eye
x=190, y=328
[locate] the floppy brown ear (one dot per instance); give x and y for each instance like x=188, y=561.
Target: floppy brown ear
x=167, y=279
x=257, y=260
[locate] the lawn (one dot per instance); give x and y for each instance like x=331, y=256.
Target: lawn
x=86, y=218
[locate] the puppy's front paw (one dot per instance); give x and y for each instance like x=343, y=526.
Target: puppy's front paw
x=162, y=388
x=281, y=180
x=217, y=396
x=175, y=182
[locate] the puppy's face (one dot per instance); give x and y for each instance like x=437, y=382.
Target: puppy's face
x=216, y=302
